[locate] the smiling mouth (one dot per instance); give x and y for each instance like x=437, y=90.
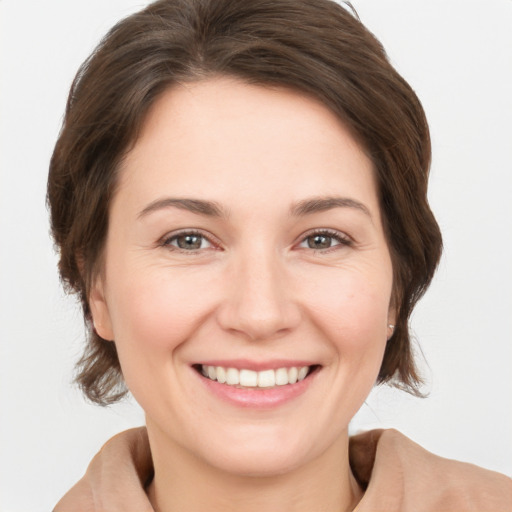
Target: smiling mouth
x=244, y=378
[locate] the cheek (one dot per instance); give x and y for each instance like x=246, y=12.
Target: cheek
x=359, y=337
x=351, y=312
x=352, y=308
x=154, y=311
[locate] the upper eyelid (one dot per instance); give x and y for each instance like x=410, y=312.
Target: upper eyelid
x=327, y=231
x=331, y=231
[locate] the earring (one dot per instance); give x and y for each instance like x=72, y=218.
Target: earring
x=391, y=329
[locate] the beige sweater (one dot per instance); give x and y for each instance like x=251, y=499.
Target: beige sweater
x=396, y=474
x=401, y=476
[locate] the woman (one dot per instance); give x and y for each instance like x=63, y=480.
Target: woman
x=239, y=198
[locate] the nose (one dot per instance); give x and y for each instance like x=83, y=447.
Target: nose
x=259, y=301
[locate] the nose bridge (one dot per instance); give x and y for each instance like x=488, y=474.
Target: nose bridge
x=259, y=301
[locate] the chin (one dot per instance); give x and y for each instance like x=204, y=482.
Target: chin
x=260, y=453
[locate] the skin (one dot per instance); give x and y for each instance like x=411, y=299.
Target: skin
x=257, y=286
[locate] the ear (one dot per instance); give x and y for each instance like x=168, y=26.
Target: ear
x=391, y=320
x=99, y=310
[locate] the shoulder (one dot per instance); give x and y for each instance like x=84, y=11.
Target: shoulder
x=400, y=475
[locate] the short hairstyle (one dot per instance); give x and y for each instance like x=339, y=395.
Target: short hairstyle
x=314, y=46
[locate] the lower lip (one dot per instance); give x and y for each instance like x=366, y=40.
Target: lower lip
x=262, y=398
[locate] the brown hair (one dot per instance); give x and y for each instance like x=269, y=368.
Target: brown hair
x=314, y=46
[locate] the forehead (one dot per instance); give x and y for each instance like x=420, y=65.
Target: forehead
x=244, y=142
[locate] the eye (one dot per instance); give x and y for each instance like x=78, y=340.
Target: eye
x=188, y=241
x=325, y=239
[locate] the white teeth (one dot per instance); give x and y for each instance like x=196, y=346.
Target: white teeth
x=267, y=379
x=253, y=379
x=221, y=374
x=248, y=378
x=232, y=377
x=282, y=376
x=292, y=375
x=302, y=373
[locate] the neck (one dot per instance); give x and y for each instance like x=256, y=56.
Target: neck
x=183, y=482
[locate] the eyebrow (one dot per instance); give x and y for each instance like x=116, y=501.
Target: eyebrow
x=214, y=209
x=199, y=206
x=320, y=204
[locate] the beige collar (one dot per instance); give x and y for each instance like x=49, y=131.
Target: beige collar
x=398, y=475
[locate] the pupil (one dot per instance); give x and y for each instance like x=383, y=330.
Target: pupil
x=189, y=242
x=319, y=242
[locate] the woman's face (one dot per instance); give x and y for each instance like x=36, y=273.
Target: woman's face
x=245, y=235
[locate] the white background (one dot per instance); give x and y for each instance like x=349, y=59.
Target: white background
x=458, y=57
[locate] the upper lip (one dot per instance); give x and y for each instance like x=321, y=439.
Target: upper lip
x=247, y=364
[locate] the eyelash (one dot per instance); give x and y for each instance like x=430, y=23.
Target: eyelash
x=343, y=240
